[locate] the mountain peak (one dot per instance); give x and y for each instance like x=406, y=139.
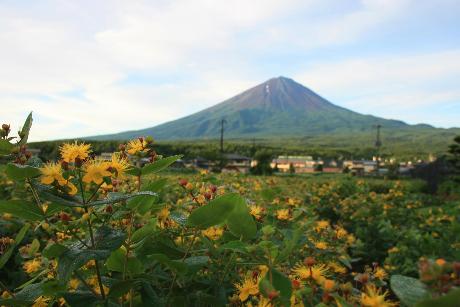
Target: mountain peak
x=277, y=107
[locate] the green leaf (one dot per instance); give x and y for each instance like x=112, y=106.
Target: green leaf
x=22, y=209
x=116, y=262
x=340, y=300
x=174, y=265
x=17, y=240
x=134, y=171
x=213, y=213
x=451, y=299
x=5, y=147
x=53, y=288
x=107, y=238
x=121, y=197
x=53, y=250
x=155, y=186
x=122, y=287
x=24, y=134
x=34, y=247
x=240, y=222
x=159, y=165
x=146, y=231
x=106, y=241
x=236, y=246
x=12, y=302
x=195, y=263
x=81, y=298
x=149, y=296
x=280, y=283
x=21, y=172
x=31, y=292
x=409, y=290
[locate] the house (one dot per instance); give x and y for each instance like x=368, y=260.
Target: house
x=237, y=163
x=360, y=167
x=298, y=164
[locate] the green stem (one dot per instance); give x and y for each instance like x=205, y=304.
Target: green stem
x=98, y=273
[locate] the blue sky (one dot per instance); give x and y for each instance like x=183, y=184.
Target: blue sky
x=93, y=67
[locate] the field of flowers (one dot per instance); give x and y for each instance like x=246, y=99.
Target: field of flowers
x=86, y=232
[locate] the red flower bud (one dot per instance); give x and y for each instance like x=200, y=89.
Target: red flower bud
x=295, y=284
x=64, y=217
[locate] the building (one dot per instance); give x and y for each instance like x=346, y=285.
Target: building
x=297, y=164
x=360, y=167
x=236, y=163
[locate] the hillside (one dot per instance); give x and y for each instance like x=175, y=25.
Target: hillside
x=278, y=108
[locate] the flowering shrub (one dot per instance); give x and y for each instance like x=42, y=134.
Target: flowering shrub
x=115, y=232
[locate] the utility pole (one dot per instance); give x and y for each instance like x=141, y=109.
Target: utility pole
x=378, y=144
x=222, y=123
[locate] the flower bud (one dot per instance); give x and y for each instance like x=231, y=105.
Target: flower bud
x=273, y=294
x=64, y=217
x=183, y=182
x=309, y=261
x=295, y=284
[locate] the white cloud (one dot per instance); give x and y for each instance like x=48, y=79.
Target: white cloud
x=210, y=50
x=388, y=86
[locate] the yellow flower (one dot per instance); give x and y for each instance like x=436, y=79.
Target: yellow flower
x=52, y=172
x=74, y=283
x=320, y=225
x=351, y=239
x=317, y=272
x=92, y=281
x=263, y=269
x=256, y=211
x=5, y=295
x=440, y=262
x=246, y=288
x=337, y=268
x=213, y=233
x=200, y=199
x=32, y=266
x=341, y=233
x=321, y=245
x=95, y=171
x=72, y=188
x=283, y=214
x=264, y=302
x=380, y=273
x=70, y=152
x=119, y=165
x=373, y=297
x=135, y=146
x=328, y=285
x=41, y=301
x=393, y=250
x=163, y=214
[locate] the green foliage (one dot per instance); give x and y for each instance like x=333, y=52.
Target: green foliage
x=21, y=172
x=409, y=290
x=230, y=209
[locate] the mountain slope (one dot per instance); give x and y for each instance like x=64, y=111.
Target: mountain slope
x=278, y=107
